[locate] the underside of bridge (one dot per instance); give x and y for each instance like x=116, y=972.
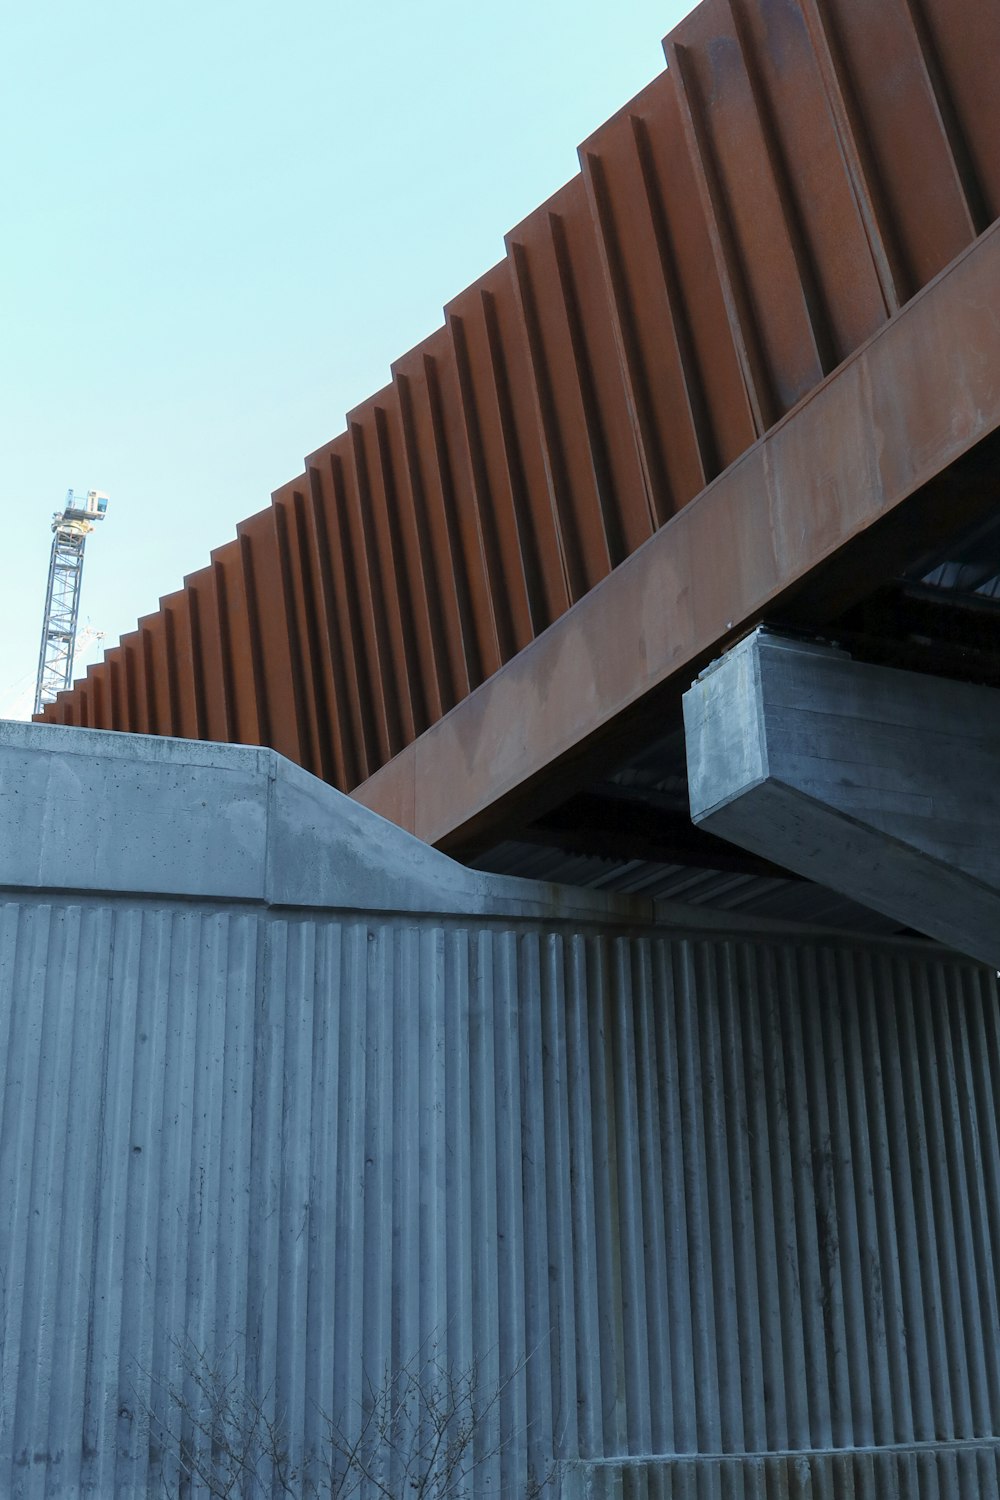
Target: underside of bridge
x=926, y=608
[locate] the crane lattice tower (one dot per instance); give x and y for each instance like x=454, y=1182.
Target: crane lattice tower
x=70, y=528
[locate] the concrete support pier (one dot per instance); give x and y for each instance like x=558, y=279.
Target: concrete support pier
x=880, y=784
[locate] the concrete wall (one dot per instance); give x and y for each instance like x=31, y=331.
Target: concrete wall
x=718, y=1211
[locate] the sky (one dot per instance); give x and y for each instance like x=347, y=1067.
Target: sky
x=224, y=222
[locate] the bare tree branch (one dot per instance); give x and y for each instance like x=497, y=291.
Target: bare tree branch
x=426, y=1432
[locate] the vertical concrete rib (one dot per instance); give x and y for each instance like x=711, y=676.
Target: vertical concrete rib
x=955, y=1236
x=513, y=1410
x=626, y=999
x=434, y=1291
x=675, y=1227
x=979, y=1292
x=485, y=1284
x=650, y=1262
x=265, y=1158
x=406, y=1338
x=873, y=1417
x=984, y=1065
x=351, y=1376
x=806, y=1166
x=324, y=1078
x=456, y=1125
x=711, y=979
x=295, y=1207
x=83, y=1019
x=740, y=1156
x=706, y=1393
x=831, y=1423
x=566, y=1094
x=542, y=1348
x=145, y=1185
x=44, y=1115
x=594, y=997
x=379, y=1068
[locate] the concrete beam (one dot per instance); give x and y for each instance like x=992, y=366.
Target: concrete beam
x=880, y=784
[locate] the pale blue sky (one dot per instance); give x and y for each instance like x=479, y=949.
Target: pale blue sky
x=225, y=220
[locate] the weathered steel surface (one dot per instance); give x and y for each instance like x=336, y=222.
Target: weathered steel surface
x=798, y=173
x=723, y=1206
x=911, y=402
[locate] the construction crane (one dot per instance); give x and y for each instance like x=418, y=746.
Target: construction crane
x=71, y=527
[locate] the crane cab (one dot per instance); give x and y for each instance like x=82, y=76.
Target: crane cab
x=93, y=508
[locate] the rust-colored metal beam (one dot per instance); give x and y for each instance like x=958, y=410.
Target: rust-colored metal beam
x=908, y=405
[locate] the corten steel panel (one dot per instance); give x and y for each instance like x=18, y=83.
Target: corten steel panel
x=352, y=716
x=210, y=669
x=135, y=685
x=159, y=671
x=116, y=696
x=509, y=481
x=961, y=44
x=181, y=663
x=385, y=570
x=366, y=596
x=911, y=403
x=418, y=596
x=465, y=537
x=651, y=319
x=356, y=671
x=738, y=231
x=277, y=670
x=98, y=679
x=888, y=84
x=755, y=253
x=304, y=628
x=788, y=217
x=77, y=707
x=157, y=706
x=450, y=588
x=509, y=546
x=600, y=497
x=89, y=706
x=718, y=395
x=313, y=538
x=237, y=641
x=83, y=705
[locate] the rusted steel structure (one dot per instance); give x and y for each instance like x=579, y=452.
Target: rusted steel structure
x=730, y=276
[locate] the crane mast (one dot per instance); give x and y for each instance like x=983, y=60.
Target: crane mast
x=70, y=528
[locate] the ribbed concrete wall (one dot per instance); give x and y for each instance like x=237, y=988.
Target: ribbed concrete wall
x=705, y=1196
